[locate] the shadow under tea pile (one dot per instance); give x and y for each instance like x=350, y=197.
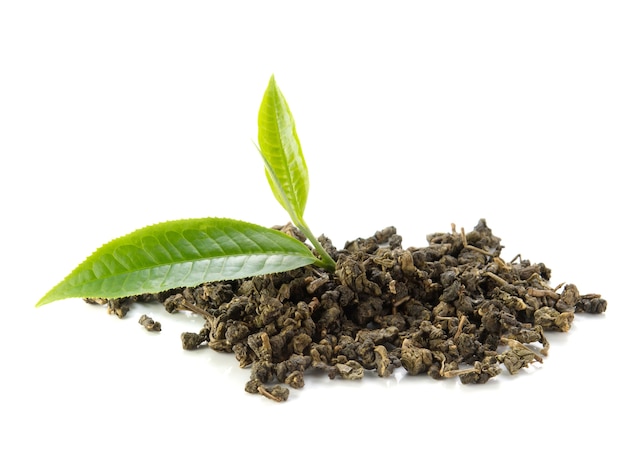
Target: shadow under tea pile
x=451, y=309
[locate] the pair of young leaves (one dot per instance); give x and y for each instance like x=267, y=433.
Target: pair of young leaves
x=189, y=252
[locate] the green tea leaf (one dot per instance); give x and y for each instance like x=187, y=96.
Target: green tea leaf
x=279, y=145
x=182, y=253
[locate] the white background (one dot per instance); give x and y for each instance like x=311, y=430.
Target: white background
x=119, y=114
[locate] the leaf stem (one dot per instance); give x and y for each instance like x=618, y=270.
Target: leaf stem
x=326, y=261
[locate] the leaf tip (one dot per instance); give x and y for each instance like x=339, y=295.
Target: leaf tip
x=43, y=301
x=272, y=86
x=49, y=297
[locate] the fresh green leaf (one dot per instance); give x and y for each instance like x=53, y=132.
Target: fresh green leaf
x=285, y=167
x=182, y=253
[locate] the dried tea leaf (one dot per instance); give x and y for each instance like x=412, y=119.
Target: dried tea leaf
x=149, y=324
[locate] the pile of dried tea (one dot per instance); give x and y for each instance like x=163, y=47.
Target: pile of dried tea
x=451, y=309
